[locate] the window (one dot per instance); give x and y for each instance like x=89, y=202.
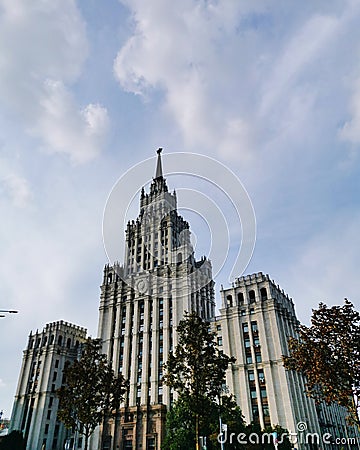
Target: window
x=245, y=328
x=249, y=359
x=263, y=293
x=51, y=400
x=253, y=394
x=219, y=341
x=229, y=300
x=247, y=343
x=56, y=364
x=258, y=357
x=251, y=375
x=261, y=377
x=48, y=417
x=254, y=327
x=252, y=296
x=240, y=298
x=46, y=429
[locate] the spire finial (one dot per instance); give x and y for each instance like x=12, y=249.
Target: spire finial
x=159, y=172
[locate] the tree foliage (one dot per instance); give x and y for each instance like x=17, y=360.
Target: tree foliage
x=196, y=371
x=327, y=353
x=13, y=441
x=180, y=424
x=197, y=367
x=89, y=391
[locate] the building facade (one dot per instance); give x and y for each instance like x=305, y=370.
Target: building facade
x=142, y=302
x=35, y=406
x=256, y=319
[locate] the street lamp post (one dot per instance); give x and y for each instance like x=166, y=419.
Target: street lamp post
x=7, y=311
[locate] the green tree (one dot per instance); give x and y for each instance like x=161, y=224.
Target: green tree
x=196, y=370
x=180, y=424
x=90, y=391
x=327, y=353
x=13, y=441
x=258, y=439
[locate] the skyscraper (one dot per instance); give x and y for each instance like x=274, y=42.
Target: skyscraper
x=142, y=302
x=35, y=406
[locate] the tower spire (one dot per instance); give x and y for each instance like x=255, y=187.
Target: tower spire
x=159, y=172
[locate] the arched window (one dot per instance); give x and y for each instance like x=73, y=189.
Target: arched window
x=68, y=343
x=109, y=279
x=60, y=340
x=51, y=339
x=44, y=340
x=229, y=300
x=240, y=298
x=252, y=296
x=179, y=258
x=263, y=293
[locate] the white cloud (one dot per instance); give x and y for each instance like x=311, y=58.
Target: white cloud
x=351, y=130
x=303, y=48
x=236, y=77
x=43, y=46
x=179, y=52
x=326, y=269
x=64, y=129
x=17, y=188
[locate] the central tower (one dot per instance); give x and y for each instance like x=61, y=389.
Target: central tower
x=141, y=304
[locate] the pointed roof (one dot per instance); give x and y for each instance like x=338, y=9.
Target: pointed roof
x=159, y=172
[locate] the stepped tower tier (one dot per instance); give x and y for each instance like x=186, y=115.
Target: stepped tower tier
x=141, y=304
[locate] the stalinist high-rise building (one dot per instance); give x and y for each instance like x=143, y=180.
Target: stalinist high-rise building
x=142, y=302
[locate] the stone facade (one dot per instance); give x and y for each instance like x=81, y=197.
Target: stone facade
x=35, y=406
x=141, y=303
x=256, y=319
x=255, y=322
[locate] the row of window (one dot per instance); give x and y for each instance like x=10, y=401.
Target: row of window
x=44, y=341
x=261, y=402
x=251, y=297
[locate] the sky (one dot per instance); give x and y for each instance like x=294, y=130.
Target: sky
x=90, y=89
